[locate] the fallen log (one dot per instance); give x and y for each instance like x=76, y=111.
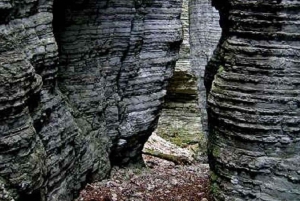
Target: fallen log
x=177, y=160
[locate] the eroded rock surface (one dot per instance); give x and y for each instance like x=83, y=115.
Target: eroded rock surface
x=90, y=95
x=205, y=33
x=180, y=118
x=184, y=117
x=254, y=102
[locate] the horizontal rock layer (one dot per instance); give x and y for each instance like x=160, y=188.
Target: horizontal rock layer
x=205, y=33
x=254, y=102
x=184, y=112
x=180, y=114
x=79, y=91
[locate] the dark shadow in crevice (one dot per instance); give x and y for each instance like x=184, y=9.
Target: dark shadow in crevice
x=34, y=196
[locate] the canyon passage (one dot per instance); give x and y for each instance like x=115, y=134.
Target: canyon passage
x=85, y=83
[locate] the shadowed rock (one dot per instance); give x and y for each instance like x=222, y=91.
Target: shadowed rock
x=205, y=33
x=88, y=94
x=253, y=84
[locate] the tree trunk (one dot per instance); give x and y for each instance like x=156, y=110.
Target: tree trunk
x=177, y=160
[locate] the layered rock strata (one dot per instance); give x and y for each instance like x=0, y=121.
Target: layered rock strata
x=180, y=117
x=184, y=117
x=115, y=60
x=254, y=102
x=205, y=33
x=73, y=103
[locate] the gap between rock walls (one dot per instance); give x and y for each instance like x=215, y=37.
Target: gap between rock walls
x=85, y=83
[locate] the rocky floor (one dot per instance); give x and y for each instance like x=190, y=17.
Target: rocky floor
x=159, y=180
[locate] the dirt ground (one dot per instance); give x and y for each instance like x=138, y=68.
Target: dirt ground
x=159, y=180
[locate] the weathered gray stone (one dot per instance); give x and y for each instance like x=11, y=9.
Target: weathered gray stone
x=205, y=33
x=253, y=100
x=184, y=116
x=180, y=117
x=90, y=95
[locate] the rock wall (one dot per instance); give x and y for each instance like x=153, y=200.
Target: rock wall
x=254, y=102
x=184, y=117
x=205, y=33
x=80, y=91
x=180, y=117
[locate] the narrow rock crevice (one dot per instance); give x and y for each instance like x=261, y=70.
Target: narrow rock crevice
x=175, y=112
x=205, y=34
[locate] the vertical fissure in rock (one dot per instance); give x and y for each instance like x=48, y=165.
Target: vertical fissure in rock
x=180, y=119
x=183, y=119
x=205, y=34
x=59, y=18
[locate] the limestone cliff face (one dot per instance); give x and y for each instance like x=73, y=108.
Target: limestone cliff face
x=180, y=116
x=80, y=91
x=254, y=102
x=205, y=33
x=184, y=111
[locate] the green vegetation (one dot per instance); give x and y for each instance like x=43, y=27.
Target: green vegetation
x=182, y=137
x=213, y=177
x=220, y=69
x=214, y=188
x=216, y=151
